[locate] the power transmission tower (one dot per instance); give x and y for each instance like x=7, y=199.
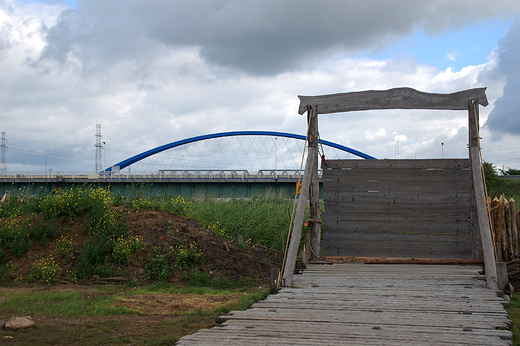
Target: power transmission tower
x=99, y=146
x=3, y=147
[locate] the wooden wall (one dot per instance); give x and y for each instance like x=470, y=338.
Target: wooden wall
x=397, y=208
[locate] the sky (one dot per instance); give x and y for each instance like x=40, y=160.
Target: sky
x=154, y=72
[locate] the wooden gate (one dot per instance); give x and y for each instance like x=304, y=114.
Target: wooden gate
x=397, y=208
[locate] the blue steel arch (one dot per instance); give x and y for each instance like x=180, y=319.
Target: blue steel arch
x=143, y=155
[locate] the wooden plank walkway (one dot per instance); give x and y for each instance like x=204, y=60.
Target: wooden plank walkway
x=358, y=304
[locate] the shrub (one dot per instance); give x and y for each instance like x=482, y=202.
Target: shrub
x=43, y=232
x=65, y=247
x=91, y=255
x=158, y=267
x=187, y=256
x=46, y=269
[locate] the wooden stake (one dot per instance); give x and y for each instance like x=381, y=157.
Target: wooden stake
x=480, y=197
x=514, y=228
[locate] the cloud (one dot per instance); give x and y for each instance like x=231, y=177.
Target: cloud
x=155, y=72
x=262, y=37
x=505, y=117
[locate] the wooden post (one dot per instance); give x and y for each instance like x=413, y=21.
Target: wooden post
x=495, y=225
x=509, y=232
x=274, y=280
x=480, y=196
x=503, y=232
x=314, y=204
x=312, y=157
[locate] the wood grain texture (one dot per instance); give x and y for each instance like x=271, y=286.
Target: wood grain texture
x=398, y=98
x=400, y=208
x=357, y=304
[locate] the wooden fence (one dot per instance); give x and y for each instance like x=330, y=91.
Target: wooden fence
x=505, y=222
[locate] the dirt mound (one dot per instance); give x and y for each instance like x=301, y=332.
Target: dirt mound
x=224, y=261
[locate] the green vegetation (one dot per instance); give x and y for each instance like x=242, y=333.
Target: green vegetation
x=497, y=185
x=514, y=315
x=38, y=228
x=115, y=315
x=28, y=221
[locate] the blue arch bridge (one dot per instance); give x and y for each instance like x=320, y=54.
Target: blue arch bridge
x=229, y=174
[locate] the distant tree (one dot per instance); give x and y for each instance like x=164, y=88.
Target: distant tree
x=490, y=174
x=510, y=171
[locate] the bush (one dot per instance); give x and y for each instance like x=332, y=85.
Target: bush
x=91, y=255
x=44, y=232
x=158, y=267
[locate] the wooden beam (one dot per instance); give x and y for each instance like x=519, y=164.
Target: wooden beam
x=480, y=197
x=314, y=201
x=312, y=156
x=398, y=98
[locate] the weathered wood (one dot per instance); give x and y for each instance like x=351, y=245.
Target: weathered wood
x=480, y=197
x=514, y=227
x=312, y=156
x=356, y=304
x=495, y=224
x=456, y=164
x=398, y=98
x=396, y=249
x=399, y=237
x=384, y=207
x=509, y=231
x=502, y=229
x=314, y=212
x=275, y=276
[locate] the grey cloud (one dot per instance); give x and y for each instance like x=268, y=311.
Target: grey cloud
x=258, y=37
x=505, y=117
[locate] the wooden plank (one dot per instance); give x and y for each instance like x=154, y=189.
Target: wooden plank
x=397, y=98
x=401, y=164
x=380, y=174
x=480, y=197
x=402, y=187
x=395, y=249
x=371, y=196
x=334, y=224
x=398, y=237
x=346, y=207
x=359, y=304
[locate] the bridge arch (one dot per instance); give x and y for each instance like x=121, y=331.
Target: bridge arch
x=136, y=158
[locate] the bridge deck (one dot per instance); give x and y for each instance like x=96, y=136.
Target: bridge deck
x=358, y=304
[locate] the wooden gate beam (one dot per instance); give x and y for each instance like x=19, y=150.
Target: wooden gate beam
x=398, y=98
x=480, y=196
x=311, y=163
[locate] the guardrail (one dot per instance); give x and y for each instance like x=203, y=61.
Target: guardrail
x=161, y=174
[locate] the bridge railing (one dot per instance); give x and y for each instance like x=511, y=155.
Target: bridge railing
x=161, y=174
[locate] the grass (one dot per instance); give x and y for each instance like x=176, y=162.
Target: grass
x=514, y=315
x=92, y=318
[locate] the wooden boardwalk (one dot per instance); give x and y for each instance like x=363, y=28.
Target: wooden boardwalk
x=358, y=304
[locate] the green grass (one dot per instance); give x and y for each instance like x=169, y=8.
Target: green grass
x=514, y=315
x=509, y=187
x=90, y=317
x=60, y=304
